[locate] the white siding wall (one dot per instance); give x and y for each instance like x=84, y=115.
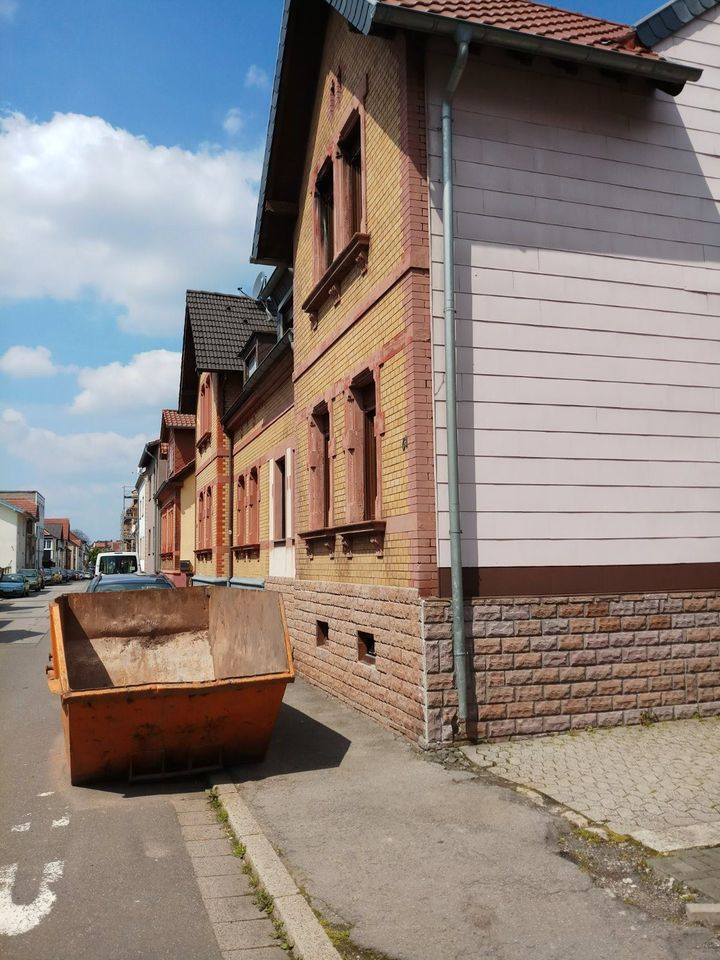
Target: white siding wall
x=12, y=542
x=588, y=298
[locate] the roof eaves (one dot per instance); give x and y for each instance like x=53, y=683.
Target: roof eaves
x=4, y=503
x=282, y=346
x=669, y=18
x=671, y=75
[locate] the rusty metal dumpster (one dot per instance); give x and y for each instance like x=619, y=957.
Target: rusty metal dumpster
x=156, y=683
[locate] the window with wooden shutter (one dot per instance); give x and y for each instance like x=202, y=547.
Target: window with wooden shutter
x=319, y=468
x=208, y=519
x=354, y=443
x=240, y=540
x=253, y=525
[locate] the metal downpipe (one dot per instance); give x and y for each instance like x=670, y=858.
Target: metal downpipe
x=458, y=615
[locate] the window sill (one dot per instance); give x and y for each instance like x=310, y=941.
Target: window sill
x=373, y=529
x=247, y=549
x=204, y=554
x=355, y=254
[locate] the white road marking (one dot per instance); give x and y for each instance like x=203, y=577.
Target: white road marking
x=62, y=822
x=17, y=918
x=48, y=793
x=20, y=827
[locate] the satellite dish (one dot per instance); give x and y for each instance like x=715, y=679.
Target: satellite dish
x=260, y=282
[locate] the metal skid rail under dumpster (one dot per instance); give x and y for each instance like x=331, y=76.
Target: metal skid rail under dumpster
x=156, y=683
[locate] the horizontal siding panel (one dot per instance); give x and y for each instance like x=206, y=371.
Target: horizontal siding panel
x=583, y=446
x=577, y=366
x=576, y=419
x=590, y=526
x=553, y=313
x=533, y=498
x=529, y=553
x=636, y=396
x=591, y=472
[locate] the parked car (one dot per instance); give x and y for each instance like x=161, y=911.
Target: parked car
x=108, y=582
x=33, y=578
x=120, y=562
x=55, y=575
x=14, y=585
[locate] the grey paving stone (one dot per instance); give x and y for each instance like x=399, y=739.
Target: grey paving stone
x=236, y=885
x=208, y=848
x=708, y=886
x=259, y=953
x=224, y=909
x=216, y=866
x=190, y=802
x=245, y=933
x=188, y=818
x=204, y=831
x=269, y=867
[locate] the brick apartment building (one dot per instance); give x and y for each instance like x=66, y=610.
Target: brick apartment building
x=176, y=495
x=586, y=238
x=225, y=336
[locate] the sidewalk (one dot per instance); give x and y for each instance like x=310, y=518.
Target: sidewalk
x=427, y=863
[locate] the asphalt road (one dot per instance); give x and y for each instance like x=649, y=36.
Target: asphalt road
x=84, y=872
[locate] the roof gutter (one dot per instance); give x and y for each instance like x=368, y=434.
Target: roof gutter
x=667, y=75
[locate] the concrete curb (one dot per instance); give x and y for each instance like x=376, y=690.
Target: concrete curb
x=304, y=931
x=706, y=913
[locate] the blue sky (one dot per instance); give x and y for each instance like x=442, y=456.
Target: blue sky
x=131, y=138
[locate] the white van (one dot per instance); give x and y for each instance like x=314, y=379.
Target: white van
x=117, y=563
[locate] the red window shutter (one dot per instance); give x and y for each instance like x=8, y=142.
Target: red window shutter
x=355, y=461
x=316, y=478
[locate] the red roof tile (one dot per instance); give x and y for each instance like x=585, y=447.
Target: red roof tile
x=184, y=421
x=526, y=16
x=29, y=506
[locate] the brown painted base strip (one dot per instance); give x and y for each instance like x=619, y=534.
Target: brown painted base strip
x=564, y=581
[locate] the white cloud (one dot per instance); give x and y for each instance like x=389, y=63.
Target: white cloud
x=256, y=77
x=90, y=207
x=233, y=122
x=8, y=9
x=27, y=362
x=74, y=453
x=150, y=379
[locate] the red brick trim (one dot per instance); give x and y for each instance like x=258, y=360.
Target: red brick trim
x=381, y=289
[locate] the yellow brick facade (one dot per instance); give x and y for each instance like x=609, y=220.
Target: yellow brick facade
x=211, y=471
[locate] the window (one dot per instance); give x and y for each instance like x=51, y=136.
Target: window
x=325, y=205
x=208, y=519
x=279, y=500
x=240, y=513
x=319, y=466
x=251, y=364
x=351, y=154
x=200, y=523
x=361, y=450
x=205, y=410
x=322, y=632
x=253, y=524
x=366, y=647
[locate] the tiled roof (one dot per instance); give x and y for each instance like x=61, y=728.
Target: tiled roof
x=182, y=421
x=669, y=18
x=58, y=526
x=221, y=324
x=526, y=16
x=27, y=506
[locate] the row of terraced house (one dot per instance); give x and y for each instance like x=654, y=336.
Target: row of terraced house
x=469, y=426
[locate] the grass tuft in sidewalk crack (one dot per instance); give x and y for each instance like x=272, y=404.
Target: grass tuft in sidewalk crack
x=261, y=897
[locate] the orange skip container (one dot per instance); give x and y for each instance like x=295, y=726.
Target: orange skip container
x=155, y=683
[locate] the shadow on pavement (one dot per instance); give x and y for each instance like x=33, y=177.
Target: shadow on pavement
x=13, y=636
x=299, y=744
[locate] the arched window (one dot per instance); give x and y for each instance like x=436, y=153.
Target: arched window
x=240, y=513
x=199, y=523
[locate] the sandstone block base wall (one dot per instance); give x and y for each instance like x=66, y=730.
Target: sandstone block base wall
x=543, y=665
x=391, y=690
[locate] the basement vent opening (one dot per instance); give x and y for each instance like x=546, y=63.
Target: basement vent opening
x=322, y=632
x=366, y=647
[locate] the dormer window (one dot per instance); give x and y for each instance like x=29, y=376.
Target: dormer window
x=251, y=364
